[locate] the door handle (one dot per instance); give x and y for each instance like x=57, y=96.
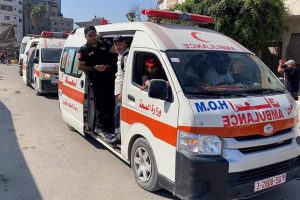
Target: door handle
x=81, y=83
x=131, y=98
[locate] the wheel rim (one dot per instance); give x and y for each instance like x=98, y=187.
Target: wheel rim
x=142, y=164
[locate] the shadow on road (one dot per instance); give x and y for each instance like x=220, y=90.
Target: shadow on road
x=16, y=181
x=96, y=144
x=51, y=96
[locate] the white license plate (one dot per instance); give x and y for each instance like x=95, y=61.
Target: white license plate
x=54, y=79
x=269, y=182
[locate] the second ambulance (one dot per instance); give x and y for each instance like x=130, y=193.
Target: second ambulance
x=41, y=68
x=220, y=126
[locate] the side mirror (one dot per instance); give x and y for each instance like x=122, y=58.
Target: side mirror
x=36, y=60
x=159, y=89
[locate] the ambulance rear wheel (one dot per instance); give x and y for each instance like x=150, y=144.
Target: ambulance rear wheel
x=144, y=166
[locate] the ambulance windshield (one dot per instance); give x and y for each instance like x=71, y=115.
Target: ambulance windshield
x=223, y=73
x=51, y=55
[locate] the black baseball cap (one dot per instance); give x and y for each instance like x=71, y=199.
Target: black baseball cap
x=89, y=29
x=118, y=38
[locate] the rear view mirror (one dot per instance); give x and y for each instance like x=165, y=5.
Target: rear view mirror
x=159, y=89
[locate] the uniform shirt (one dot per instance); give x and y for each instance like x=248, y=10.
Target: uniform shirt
x=292, y=79
x=30, y=53
x=212, y=77
x=120, y=73
x=93, y=56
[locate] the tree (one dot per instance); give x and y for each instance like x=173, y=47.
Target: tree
x=252, y=23
x=27, y=7
x=37, y=14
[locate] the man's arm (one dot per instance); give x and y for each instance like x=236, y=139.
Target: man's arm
x=83, y=67
x=280, y=68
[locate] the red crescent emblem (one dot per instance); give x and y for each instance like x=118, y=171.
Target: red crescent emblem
x=195, y=35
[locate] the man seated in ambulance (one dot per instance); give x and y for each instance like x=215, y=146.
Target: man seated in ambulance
x=218, y=72
x=154, y=70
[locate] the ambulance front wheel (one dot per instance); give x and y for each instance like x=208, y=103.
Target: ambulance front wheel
x=144, y=166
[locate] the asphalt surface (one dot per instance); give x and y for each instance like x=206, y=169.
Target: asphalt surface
x=41, y=159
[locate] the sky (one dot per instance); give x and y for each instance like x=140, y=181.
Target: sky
x=113, y=10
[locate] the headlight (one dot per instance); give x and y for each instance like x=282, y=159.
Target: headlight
x=46, y=75
x=199, y=144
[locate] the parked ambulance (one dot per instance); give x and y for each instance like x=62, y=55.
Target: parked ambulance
x=42, y=75
x=22, y=52
x=220, y=126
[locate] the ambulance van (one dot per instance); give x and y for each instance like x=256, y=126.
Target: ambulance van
x=41, y=69
x=220, y=126
x=22, y=52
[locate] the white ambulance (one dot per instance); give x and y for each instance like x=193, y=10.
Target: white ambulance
x=220, y=126
x=44, y=62
x=24, y=42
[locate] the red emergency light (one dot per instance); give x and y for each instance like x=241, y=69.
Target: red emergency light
x=178, y=16
x=54, y=34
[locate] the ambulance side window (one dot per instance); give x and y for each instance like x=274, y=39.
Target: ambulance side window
x=64, y=60
x=75, y=71
x=69, y=63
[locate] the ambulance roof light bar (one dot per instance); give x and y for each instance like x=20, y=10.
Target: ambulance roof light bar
x=178, y=16
x=46, y=34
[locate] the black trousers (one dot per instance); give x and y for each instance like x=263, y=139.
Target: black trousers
x=104, y=105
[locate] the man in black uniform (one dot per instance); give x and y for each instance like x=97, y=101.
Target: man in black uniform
x=291, y=76
x=98, y=63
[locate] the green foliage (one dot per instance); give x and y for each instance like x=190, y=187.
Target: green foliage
x=37, y=14
x=250, y=22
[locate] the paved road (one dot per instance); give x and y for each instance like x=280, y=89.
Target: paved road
x=41, y=159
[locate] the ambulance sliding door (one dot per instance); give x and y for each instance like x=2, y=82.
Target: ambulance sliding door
x=72, y=89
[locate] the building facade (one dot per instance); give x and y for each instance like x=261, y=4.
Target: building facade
x=291, y=37
x=53, y=19
x=168, y=4
x=94, y=22
x=11, y=13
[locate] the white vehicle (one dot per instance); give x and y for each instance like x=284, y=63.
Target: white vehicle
x=41, y=68
x=205, y=132
x=22, y=52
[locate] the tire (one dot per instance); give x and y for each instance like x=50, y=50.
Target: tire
x=146, y=175
x=71, y=128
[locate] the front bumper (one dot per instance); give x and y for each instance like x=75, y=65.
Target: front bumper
x=207, y=177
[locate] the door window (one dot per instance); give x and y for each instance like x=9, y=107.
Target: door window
x=147, y=66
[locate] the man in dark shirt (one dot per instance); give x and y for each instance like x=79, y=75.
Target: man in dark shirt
x=153, y=71
x=96, y=61
x=291, y=76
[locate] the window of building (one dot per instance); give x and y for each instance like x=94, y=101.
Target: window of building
x=20, y=2
x=6, y=17
x=6, y=7
x=20, y=20
x=20, y=11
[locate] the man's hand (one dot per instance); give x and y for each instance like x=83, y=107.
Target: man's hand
x=101, y=68
x=281, y=62
x=120, y=98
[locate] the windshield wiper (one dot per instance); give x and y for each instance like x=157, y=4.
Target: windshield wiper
x=216, y=94
x=264, y=90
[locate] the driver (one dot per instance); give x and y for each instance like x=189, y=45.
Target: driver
x=218, y=72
